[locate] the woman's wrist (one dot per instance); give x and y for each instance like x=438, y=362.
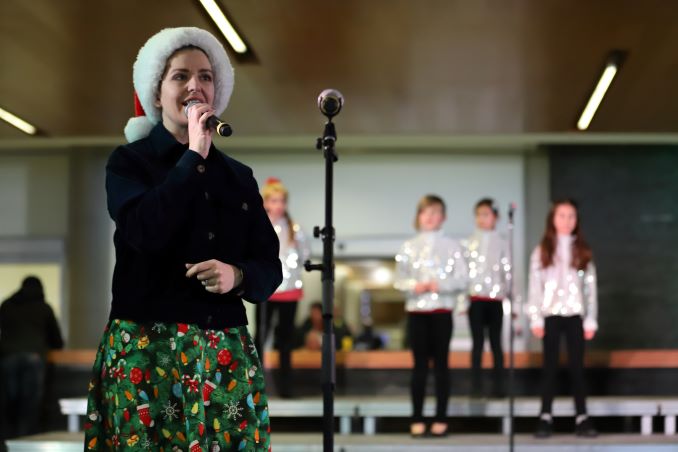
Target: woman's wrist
x=238, y=277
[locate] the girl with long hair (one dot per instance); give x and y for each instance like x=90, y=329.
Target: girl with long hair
x=563, y=302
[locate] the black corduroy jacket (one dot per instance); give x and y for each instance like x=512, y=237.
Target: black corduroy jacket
x=172, y=207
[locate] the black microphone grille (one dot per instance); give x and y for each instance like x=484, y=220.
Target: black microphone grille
x=224, y=129
x=330, y=102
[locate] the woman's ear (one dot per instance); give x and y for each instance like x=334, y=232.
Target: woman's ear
x=156, y=102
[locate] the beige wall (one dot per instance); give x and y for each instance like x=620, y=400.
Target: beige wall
x=11, y=276
x=34, y=195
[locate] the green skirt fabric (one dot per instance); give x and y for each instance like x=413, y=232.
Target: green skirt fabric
x=176, y=387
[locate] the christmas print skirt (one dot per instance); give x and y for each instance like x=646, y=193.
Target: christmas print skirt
x=173, y=387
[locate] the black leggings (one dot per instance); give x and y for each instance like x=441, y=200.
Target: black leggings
x=283, y=336
x=490, y=315
x=572, y=329
x=430, y=336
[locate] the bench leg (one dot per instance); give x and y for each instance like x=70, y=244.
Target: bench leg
x=505, y=425
x=646, y=425
x=369, y=425
x=73, y=423
x=669, y=425
x=345, y=425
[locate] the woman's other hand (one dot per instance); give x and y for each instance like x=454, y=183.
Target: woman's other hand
x=215, y=276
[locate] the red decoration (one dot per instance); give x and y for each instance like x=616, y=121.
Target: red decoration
x=213, y=339
x=224, y=357
x=136, y=375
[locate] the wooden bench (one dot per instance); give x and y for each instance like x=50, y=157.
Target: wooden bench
x=642, y=407
x=344, y=409
x=73, y=409
x=372, y=408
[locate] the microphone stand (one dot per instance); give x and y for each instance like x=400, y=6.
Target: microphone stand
x=326, y=143
x=511, y=382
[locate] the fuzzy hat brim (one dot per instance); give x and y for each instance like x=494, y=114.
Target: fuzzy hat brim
x=137, y=128
x=152, y=59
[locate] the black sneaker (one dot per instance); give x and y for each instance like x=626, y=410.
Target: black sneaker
x=585, y=429
x=544, y=429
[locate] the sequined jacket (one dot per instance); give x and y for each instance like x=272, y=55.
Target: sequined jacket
x=431, y=256
x=292, y=257
x=486, y=253
x=561, y=289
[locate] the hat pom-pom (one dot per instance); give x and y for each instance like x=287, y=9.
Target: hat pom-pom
x=137, y=128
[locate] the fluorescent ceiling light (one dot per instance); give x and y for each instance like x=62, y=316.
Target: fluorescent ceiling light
x=597, y=96
x=224, y=25
x=17, y=122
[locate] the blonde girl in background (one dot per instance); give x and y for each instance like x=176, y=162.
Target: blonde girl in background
x=294, y=251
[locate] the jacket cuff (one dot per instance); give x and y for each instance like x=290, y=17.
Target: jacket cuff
x=590, y=324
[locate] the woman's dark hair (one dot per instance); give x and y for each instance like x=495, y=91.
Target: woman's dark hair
x=581, y=252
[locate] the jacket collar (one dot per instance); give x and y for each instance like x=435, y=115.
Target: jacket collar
x=169, y=148
x=164, y=142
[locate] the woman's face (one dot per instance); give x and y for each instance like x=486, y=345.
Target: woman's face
x=431, y=218
x=565, y=219
x=485, y=218
x=275, y=205
x=189, y=77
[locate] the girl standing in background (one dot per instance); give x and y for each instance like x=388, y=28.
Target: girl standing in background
x=563, y=302
x=430, y=270
x=489, y=275
x=294, y=251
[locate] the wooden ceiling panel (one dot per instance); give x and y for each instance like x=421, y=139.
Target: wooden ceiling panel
x=424, y=67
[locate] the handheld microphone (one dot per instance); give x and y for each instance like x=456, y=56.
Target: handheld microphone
x=213, y=122
x=330, y=102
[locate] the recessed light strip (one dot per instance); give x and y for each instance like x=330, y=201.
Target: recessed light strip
x=17, y=122
x=597, y=96
x=224, y=25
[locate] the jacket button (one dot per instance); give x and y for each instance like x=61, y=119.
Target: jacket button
x=210, y=236
x=201, y=168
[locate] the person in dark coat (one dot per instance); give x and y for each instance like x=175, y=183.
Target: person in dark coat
x=28, y=330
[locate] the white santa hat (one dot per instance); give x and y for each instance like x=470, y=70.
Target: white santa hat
x=150, y=65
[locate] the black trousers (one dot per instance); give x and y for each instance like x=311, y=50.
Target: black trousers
x=23, y=380
x=283, y=336
x=430, y=336
x=573, y=330
x=486, y=315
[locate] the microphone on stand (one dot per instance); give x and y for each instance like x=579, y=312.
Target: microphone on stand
x=330, y=102
x=512, y=209
x=213, y=122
